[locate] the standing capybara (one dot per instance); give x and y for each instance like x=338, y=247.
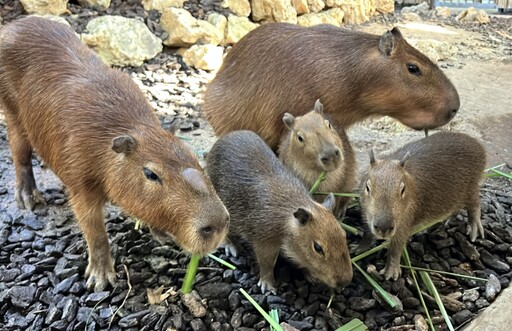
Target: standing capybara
x=311, y=146
x=424, y=181
x=279, y=67
x=271, y=210
x=94, y=128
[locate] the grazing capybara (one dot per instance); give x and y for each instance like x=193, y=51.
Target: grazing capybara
x=94, y=128
x=424, y=181
x=311, y=145
x=271, y=210
x=282, y=68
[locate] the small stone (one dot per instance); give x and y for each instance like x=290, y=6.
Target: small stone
x=238, y=7
x=212, y=291
x=194, y=305
x=9, y=275
x=33, y=222
x=410, y=302
x=133, y=319
x=206, y=57
x=470, y=295
x=301, y=325
x=236, y=318
x=198, y=325
x=492, y=288
x=59, y=325
x=311, y=309
x=53, y=314
x=93, y=298
x=23, y=235
x=493, y=263
x=65, y=285
x=481, y=303
x=70, y=307
x=420, y=323
x=361, y=304
x=22, y=296
x=452, y=304
x=462, y=316
x=55, y=7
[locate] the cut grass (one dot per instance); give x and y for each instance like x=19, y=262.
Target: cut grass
x=221, y=261
x=274, y=314
x=381, y=292
x=317, y=183
x=188, y=281
x=433, y=291
x=274, y=324
x=354, y=325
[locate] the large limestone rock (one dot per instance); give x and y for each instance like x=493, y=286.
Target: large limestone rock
x=45, y=7
x=206, y=57
x=471, y=15
x=435, y=50
x=100, y=3
x=356, y=11
x=237, y=28
x=443, y=12
x=185, y=30
x=315, y=5
x=273, y=11
x=161, y=5
x=413, y=17
x=332, y=16
x=301, y=6
x=121, y=41
x=219, y=21
x=238, y=7
x=385, y=6
x=421, y=9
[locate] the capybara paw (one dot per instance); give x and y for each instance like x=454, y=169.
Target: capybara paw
x=230, y=250
x=28, y=197
x=98, y=277
x=391, y=272
x=267, y=286
x=474, y=230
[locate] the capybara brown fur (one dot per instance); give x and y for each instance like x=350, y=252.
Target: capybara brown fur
x=282, y=68
x=311, y=145
x=422, y=182
x=96, y=131
x=271, y=210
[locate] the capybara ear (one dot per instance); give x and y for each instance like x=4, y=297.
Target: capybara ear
x=372, y=157
x=124, y=144
x=387, y=43
x=329, y=202
x=174, y=126
x=196, y=179
x=288, y=120
x=302, y=215
x=319, y=107
x=404, y=159
x=396, y=33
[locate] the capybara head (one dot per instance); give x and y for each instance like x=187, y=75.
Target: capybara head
x=422, y=97
x=168, y=190
x=319, y=244
x=387, y=193
x=312, y=140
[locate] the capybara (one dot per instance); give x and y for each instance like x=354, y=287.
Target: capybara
x=271, y=210
x=282, y=68
x=311, y=145
x=424, y=181
x=94, y=128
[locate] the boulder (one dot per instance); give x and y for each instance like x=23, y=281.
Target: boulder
x=273, y=11
x=185, y=30
x=161, y=5
x=413, y=17
x=421, y=9
x=301, y=6
x=219, y=21
x=238, y=7
x=472, y=15
x=237, y=28
x=121, y=41
x=316, y=19
x=206, y=57
x=315, y=5
x=92, y=3
x=435, y=50
x=45, y=7
x=443, y=12
x=385, y=6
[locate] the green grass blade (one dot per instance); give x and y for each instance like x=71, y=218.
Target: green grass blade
x=352, y=195
x=433, y=291
x=319, y=181
x=275, y=316
x=413, y=272
x=495, y=167
x=183, y=138
x=383, y=294
x=370, y=252
x=501, y=173
x=188, y=281
x=221, y=261
x=263, y=313
x=354, y=325
x=349, y=228
x=444, y=273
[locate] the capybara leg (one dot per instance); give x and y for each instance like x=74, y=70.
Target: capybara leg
x=475, y=227
x=267, y=256
x=89, y=213
x=27, y=195
x=365, y=242
x=392, y=269
x=341, y=207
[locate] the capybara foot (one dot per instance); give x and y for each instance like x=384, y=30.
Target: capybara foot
x=391, y=271
x=27, y=196
x=99, y=276
x=230, y=250
x=475, y=229
x=267, y=285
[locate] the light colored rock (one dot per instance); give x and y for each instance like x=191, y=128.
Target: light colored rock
x=185, y=30
x=273, y=11
x=220, y=22
x=59, y=19
x=121, y=41
x=413, y=17
x=238, y=27
x=42, y=7
x=443, y=12
x=161, y=5
x=238, y=7
x=337, y=13
x=435, y=50
x=316, y=19
x=356, y=11
x=206, y=57
x=471, y=15
x=421, y=9
x=100, y=3
x=316, y=5
x=385, y=6
x=301, y=6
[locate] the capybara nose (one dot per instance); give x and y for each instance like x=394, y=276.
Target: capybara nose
x=330, y=156
x=383, y=227
x=451, y=114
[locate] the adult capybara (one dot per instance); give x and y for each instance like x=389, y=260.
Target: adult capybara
x=94, y=128
x=271, y=210
x=424, y=181
x=279, y=67
x=311, y=145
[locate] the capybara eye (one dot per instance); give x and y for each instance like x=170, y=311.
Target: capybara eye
x=151, y=175
x=300, y=138
x=402, y=189
x=328, y=124
x=413, y=69
x=318, y=248
x=367, y=187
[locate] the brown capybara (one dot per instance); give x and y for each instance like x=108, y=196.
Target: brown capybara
x=282, y=68
x=271, y=210
x=94, y=128
x=311, y=145
x=424, y=181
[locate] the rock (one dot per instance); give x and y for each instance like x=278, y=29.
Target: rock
x=9, y=275
x=462, y=316
x=94, y=298
x=161, y=5
x=219, y=21
x=356, y=11
x=99, y=3
x=301, y=6
x=421, y=9
x=51, y=7
x=185, y=30
x=470, y=295
x=273, y=11
x=434, y=49
x=53, y=314
x=22, y=296
x=237, y=28
x=315, y=5
x=198, y=325
x=361, y=304
x=385, y=6
x=121, y=41
x=194, y=305
x=238, y=7
x=132, y=320
x=413, y=17
x=236, y=318
x=65, y=285
x=491, y=262
x=472, y=15
x=452, y=304
x=55, y=18
x=69, y=309
x=443, y=12
x=299, y=325
x=420, y=323
x=212, y=291
x=311, y=309
x=320, y=18
x=468, y=249
x=23, y=235
x=206, y=57
x=492, y=288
